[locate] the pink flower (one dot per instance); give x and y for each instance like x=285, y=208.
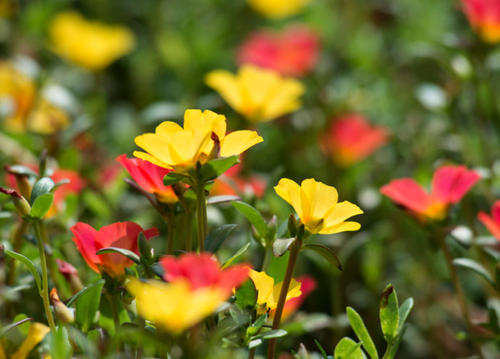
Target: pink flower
x=492, y=222
x=231, y=183
x=484, y=17
x=351, y=138
x=293, y=52
x=449, y=185
x=119, y=234
x=149, y=177
x=203, y=270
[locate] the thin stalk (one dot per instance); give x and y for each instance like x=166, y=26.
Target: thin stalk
x=294, y=252
x=188, y=228
x=201, y=216
x=17, y=241
x=45, y=285
x=251, y=353
x=114, y=310
x=462, y=301
x=169, y=220
x=267, y=258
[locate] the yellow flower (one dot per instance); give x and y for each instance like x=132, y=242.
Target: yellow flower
x=17, y=94
x=174, y=306
x=36, y=333
x=268, y=293
x=46, y=118
x=258, y=94
x=277, y=9
x=317, y=207
x=90, y=44
x=172, y=146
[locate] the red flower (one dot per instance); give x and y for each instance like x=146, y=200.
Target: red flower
x=232, y=184
x=149, y=177
x=492, y=222
x=449, y=185
x=203, y=270
x=351, y=138
x=119, y=234
x=307, y=285
x=484, y=17
x=292, y=52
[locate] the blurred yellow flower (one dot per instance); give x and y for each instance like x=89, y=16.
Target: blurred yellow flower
x=268, y=293
x=317, y=206
x=46, y=118
x=258, y=94
x=174, y=307
x=90, y=44
x=172, y=146
x=36, y=333
x=277, y=9
x=17, y=95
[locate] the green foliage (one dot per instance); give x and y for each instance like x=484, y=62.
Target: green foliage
x=87, y=305
x=41, y=205
x=348, y=349
x=43, y=186
x=389, y=314
x=217, y=236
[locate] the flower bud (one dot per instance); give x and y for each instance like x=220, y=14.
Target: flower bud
x=22, y=205
x=63, y=313
x=71, y=275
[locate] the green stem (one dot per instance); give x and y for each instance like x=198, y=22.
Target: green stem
x=170, y=233
x=201, y=216
x=17, y=242
x=45, y=285
x=114, y=310
x=462, y=301
x=267, y=258
x=294, y=252
x=188, y=228
x=251, y=353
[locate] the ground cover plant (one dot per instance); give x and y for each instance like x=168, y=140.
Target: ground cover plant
x=249, y=179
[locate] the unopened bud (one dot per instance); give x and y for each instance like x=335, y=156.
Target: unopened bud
x=22, y=205
x=63, y=313
x=71, y=275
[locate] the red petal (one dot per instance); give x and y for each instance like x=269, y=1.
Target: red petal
x=85, y=240
x=408, y=193
x=451, y=183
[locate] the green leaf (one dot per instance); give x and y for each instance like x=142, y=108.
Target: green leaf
x=22, y=258
x=359, y=328
x=255, y=343
x=348, y=349
x=81, y=291
x=280, y=246
x=145, y=250
x=326, y=253
x=236, y=255
x=16, y=323
x=257, y=325
x=475, y=267
x=389, y=314
x=253, y=216
x=404, y=311
x=172, y=178
x=217, y=236
x=42, y=186
x=323, y=352
x=87, y=305
x=246, y=295
x=22, y=170
x=124, y=252
x=60, y=346
x=271, y=334
x=41, y=205
x=222, y=199
x=215, y=168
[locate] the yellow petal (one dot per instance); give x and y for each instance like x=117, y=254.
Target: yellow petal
x=342, y=227
x=147, y=157
x=264, y=285
x=239, y=141
x=322, y=197
x=174, y=306
x=36, y=333
x=283, y=100
x=168, y=128
x=341, y=212
x=157, y=146
x=293, y=292
x=226, y=84
x=290, y=192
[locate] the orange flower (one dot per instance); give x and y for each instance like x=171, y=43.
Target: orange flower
x=492, y=222
x=449, y=185
x=484, y=17
x=149, y=177
x=119, y=234
x=292, y=52
x=203, y=271
x=351, y=138
x=232, y=184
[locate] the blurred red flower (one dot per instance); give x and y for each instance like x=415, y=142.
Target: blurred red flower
x=232, y=184
x=484, y=17
x=492, y=222
x=449, y=185
x=119, y=234
x=149, y=177
x=351, y=138
x=292, y=52
x=203, y=270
